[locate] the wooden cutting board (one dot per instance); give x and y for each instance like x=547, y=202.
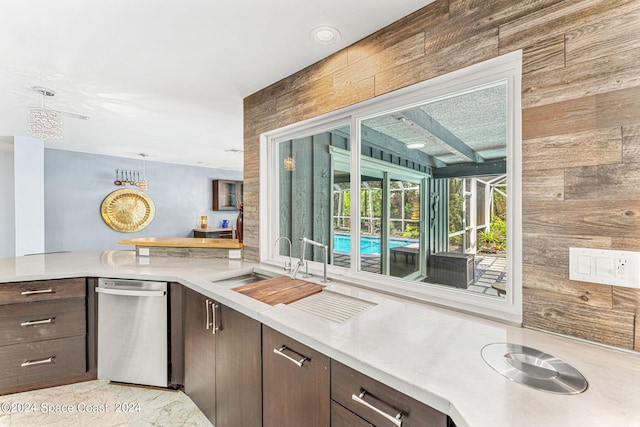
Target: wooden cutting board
x=279, y=290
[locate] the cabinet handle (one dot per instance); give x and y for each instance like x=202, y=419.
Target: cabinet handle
x=207, y=325
x=214, y=307
x=41, y=291
x=37, y=362
x=37, y=322
x=397, y=420
x=280, y=352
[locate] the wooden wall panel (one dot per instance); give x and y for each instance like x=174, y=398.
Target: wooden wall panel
x=629, y=300
x=543, y=184
x=619, y=70
x=617, y=108
x=582, y=218
x=606, y=326
x=560, y=18
x=544, y=56
x=631, y=144
x=581, y=132
x=603, y=182
x=398, y=31
x=616, y=34
x=600, y=146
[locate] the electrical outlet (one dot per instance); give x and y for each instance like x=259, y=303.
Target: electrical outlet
x=609, y=267
x=622, y=266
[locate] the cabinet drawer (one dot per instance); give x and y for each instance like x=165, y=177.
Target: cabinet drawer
x=41, y=361
x=41, y=290
x=342, y=417
x=42, y=320
x=346, y=383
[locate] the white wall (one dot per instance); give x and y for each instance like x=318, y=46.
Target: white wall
x=7, y=204
x=29, y=195
x=77, y=183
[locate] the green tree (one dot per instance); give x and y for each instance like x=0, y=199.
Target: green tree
x=412, y=230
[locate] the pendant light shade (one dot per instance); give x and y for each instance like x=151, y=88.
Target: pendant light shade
x=44, y=123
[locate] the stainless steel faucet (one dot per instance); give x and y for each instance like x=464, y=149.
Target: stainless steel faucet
x=287, y=267
x=301, y=261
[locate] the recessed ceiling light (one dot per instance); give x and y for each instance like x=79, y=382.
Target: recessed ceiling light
x=415, y=145
x=325, y=35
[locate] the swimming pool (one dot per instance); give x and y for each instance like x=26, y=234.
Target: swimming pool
x=368, y=245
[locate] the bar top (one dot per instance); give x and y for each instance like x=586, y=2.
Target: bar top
x=183, y=242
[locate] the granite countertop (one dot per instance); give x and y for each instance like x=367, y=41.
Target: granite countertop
x=429, y=353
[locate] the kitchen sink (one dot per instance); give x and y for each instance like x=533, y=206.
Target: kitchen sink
x=245, y=279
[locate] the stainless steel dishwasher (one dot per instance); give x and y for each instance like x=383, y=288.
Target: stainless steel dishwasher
x=132, y=331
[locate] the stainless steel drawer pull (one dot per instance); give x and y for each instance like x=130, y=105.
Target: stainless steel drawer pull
x=215, y=328
x=129, y=292
x=298, y=363
x=41, y=291
x=37, y=362
x=37, y=322
x=207, y=325
x=397, y=420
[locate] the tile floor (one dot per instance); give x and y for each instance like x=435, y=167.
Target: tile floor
x=100, y=404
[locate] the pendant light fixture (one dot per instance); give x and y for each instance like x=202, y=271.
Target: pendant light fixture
x=45, y=123
x=143, y=184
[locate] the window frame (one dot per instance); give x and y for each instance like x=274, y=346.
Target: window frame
x=506, y=68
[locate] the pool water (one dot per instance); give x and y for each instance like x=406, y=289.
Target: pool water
x=368, y=245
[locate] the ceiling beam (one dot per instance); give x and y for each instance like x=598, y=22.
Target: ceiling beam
x=490, y=167
x=424, y=123
x=387, y=144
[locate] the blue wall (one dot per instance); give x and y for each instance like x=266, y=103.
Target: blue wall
x=77, y=183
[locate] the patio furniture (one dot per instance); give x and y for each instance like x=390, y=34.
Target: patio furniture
x=409, y=251
x=451, y=268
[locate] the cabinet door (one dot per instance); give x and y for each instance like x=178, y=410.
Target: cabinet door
x=199, y=353
x=293, y=395
x=238, y=370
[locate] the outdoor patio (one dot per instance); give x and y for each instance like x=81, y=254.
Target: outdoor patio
x=489, y=269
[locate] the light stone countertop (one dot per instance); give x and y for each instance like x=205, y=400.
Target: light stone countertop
x=429, y=353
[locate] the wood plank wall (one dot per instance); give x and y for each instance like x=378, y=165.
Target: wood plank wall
x=581, y=132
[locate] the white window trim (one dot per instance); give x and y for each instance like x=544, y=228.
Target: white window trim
x=503, y=68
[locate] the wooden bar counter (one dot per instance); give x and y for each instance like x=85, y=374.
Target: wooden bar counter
x=183, y=246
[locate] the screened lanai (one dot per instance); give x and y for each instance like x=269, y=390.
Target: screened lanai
x=432, y=195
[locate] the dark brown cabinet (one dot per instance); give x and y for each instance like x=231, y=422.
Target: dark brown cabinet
x=222, y=362
x=377, y=403
x=200, y=352
x=43, y=334
x=238, y=370
x=342, y=417
x=295, y=383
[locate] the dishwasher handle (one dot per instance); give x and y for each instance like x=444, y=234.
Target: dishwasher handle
x=130, y=293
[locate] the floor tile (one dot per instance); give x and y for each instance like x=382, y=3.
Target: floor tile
x=101, y=404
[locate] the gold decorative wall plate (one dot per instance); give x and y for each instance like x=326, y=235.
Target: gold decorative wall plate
x=128, y=210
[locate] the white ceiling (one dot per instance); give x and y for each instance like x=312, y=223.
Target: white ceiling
x=165, y=78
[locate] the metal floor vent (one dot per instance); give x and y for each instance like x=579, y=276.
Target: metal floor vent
x=332, y=306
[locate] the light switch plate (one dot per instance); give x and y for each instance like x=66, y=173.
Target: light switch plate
x=608, y=267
